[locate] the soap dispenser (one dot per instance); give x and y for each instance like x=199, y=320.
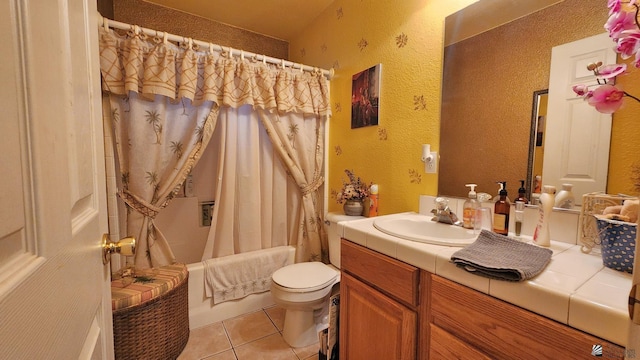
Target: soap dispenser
x=501, y=211
x=469, y=207
x=522, y=193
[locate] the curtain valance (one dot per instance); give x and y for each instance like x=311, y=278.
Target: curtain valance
x=150, y=66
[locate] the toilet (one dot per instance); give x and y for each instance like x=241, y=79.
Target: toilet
x=303, y=289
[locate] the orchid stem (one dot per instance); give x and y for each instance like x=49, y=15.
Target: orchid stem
x=631, y=96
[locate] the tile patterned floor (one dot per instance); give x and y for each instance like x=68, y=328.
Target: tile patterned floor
x=253, y=336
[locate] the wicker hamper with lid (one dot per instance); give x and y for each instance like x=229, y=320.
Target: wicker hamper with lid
x=151, y=318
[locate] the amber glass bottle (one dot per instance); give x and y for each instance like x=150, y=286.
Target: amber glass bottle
x=522, y=193
x=501, y=211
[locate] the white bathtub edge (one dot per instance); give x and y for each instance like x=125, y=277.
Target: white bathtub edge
x=202, y=312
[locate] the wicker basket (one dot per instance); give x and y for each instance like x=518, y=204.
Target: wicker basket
x=618, y=241
x=154, y=330
x=594, y=204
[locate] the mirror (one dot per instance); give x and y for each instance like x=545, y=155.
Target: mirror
x=533, y=182
x=488, y=79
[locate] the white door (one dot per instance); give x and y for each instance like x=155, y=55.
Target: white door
x=54, y=289
x=576, y=137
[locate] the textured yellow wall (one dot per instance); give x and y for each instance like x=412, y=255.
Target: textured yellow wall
x=624, y=158
x=406, y=38
x=152, y=16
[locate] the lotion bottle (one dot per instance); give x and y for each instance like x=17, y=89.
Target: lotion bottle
x=501, y=211
x=541, y=235
x=469, y=208
x=373, y=200
x=565, y=198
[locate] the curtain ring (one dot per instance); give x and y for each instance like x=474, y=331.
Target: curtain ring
x=105, y=23
x=283, y=67
x=264, y=59
x=211, y=48
x=165, y=37
x=156, y=38
x=230, y=52
x=242, y=55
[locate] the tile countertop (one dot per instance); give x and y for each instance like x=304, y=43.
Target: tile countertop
x=574, y=289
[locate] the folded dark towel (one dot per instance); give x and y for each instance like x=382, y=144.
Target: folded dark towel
x=500, y=257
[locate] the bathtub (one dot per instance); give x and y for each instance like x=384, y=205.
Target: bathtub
x=202, y=312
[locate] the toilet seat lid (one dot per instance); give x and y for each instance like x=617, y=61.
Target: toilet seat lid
x=306, y=275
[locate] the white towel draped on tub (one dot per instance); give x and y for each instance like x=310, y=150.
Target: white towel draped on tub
x=236, y=276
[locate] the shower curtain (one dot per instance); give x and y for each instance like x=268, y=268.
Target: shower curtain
x=265, y=200
x=259, y=202
x=165, y=100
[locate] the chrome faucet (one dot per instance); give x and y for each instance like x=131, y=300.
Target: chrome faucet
x=443, y=214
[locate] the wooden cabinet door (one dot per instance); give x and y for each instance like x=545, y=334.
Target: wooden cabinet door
x=374, y=326
x=444, y=345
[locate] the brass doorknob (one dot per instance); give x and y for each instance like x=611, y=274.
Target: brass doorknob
x=126, y=246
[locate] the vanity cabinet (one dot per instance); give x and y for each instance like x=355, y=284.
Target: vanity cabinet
x=393, y=310
x=378, y=305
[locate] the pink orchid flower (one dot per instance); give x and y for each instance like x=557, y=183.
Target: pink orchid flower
x=581, y=90
x=610, y=71
x=607, y=98
x=636, y=62
x=619, y=22
x=629, y=44
x=614, y=6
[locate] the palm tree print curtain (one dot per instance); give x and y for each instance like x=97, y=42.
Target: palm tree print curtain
x=167, y=98
x=157, y=142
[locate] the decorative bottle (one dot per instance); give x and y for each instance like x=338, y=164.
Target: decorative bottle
x=469, y=208
x=541, y=235
x=501, y=211
x=565, y=198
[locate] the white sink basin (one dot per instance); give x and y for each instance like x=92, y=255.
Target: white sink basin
x=420, y=228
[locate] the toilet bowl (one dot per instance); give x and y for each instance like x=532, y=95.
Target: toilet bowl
x=303, y=289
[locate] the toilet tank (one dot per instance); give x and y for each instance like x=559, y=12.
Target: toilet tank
x=334, y=234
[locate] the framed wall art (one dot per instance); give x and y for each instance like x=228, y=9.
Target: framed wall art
x=365, y=97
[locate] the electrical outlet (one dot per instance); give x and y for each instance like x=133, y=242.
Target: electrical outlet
x=431, y=167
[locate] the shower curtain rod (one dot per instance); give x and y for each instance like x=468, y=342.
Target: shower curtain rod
x=124, y=26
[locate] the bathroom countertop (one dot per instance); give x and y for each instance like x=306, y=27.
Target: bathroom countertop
x=574, y=289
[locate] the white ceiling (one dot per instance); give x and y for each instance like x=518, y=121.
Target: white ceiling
x=281, y=19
